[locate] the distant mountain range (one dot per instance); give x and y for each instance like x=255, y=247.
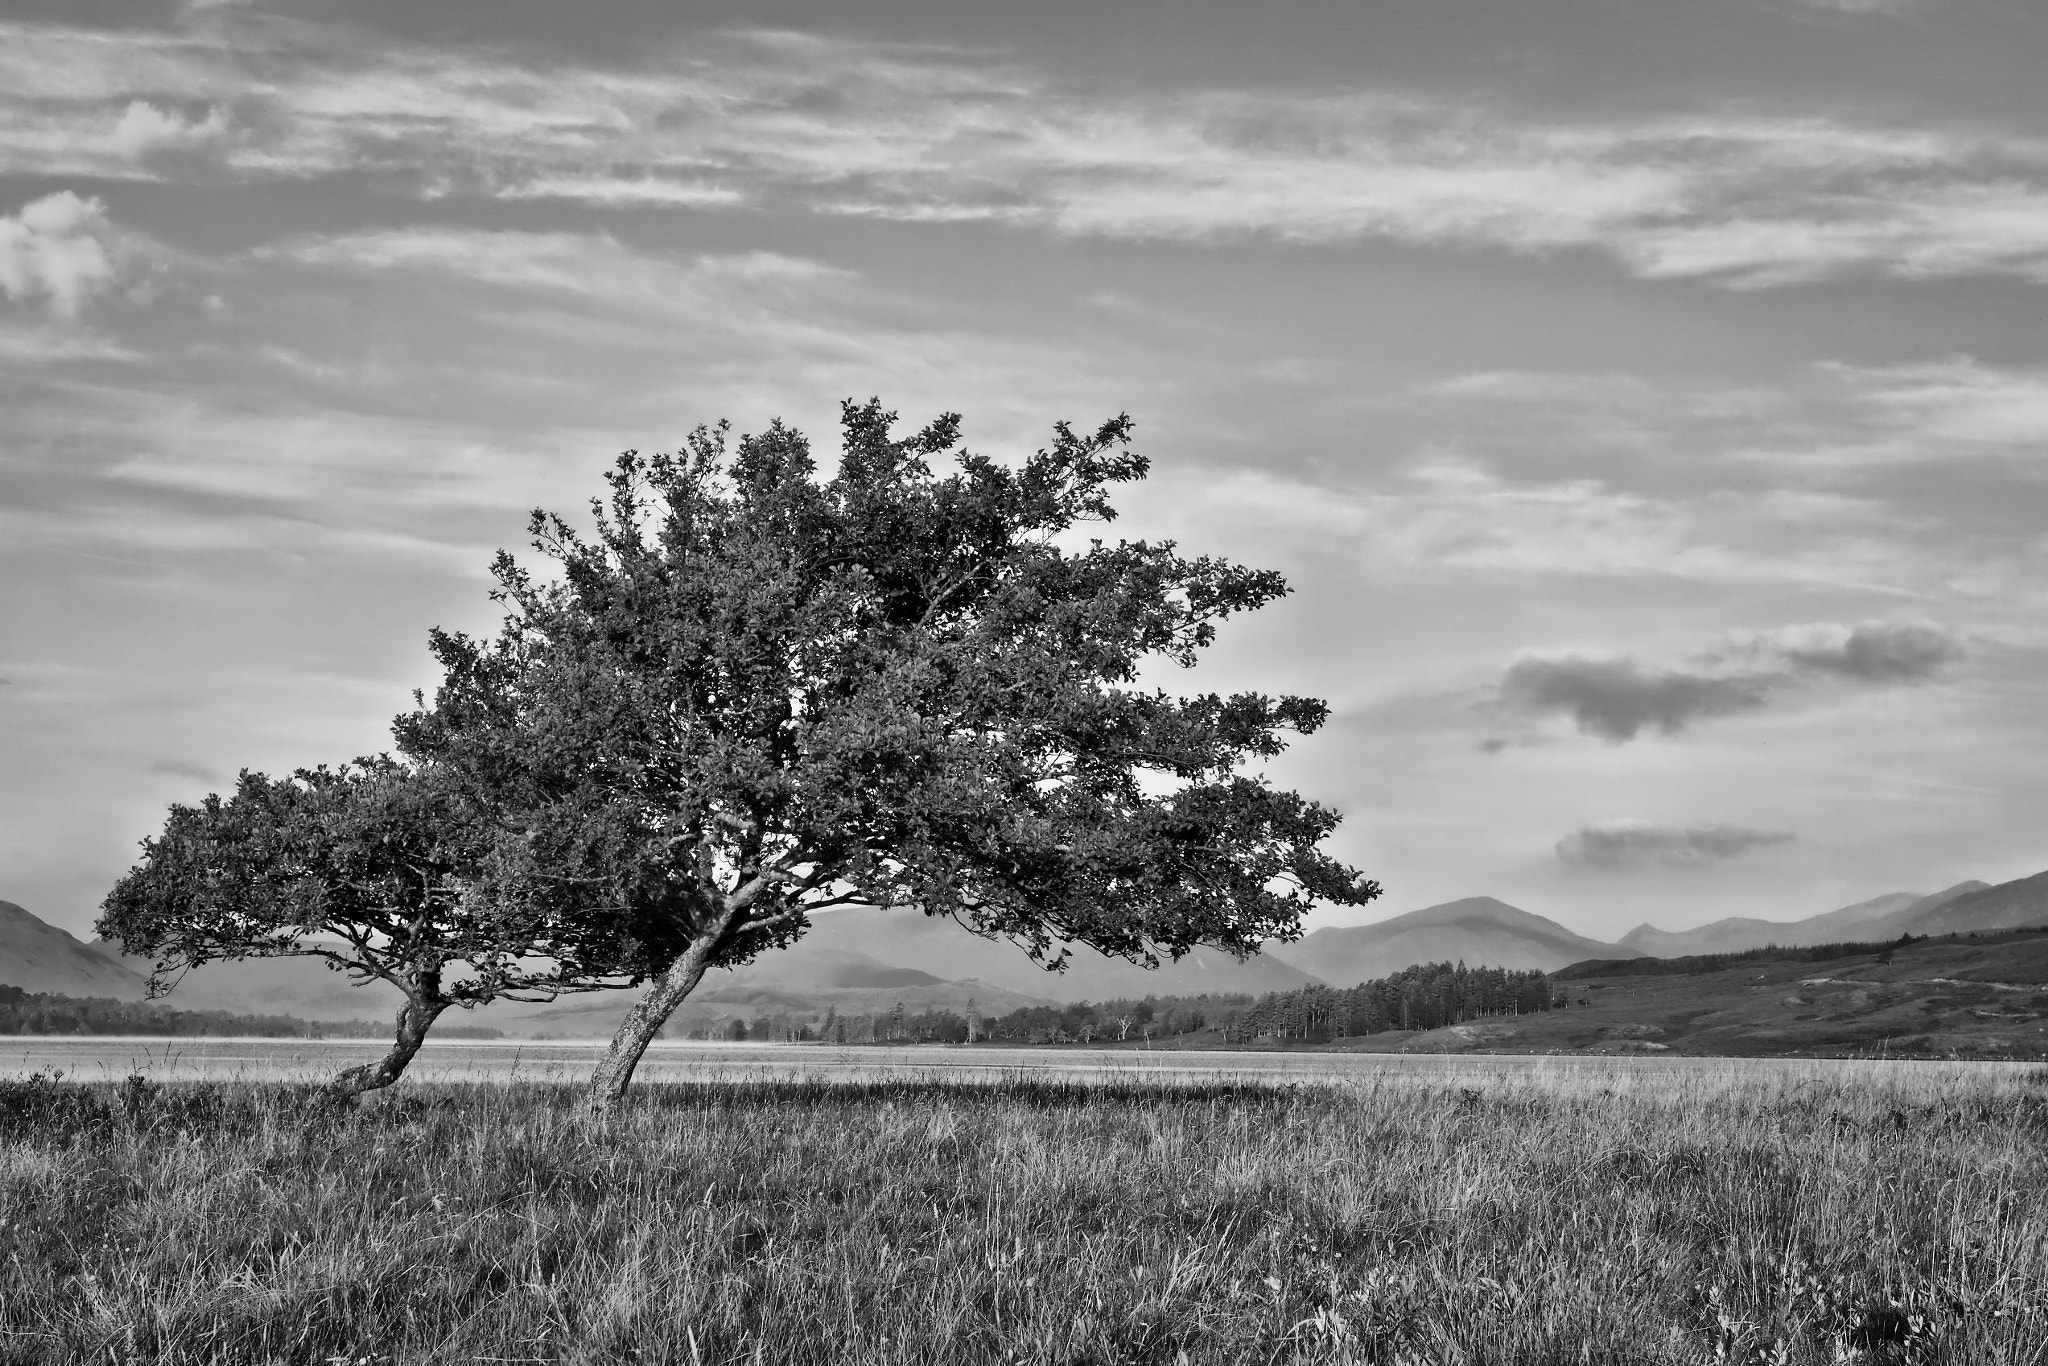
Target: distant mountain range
x=2008, y=906
x=1959, y=909
x=862, y=962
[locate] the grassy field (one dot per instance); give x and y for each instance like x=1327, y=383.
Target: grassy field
x=1756, y=1213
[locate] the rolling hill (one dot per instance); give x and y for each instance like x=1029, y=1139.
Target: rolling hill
x=40, y=957
x=1939, y=997
x=1955, y=997
x=1478, y=931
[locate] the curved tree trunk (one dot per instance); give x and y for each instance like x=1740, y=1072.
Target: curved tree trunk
x=644, y=1021
x=423, y=1005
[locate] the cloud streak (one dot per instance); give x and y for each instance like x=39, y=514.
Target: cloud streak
x=1626, y=845
x=844, y=127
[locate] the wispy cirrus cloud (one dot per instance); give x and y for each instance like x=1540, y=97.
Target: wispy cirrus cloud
x=1944, y=409
x=1823, y=419
x=1892, y=8
x=591, y=266
x=1443, y=515
x=1624, y=845
x=547, y=351
x=1618, y=697
x=839, y=126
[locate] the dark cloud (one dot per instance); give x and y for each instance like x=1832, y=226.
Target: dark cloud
x=1619, y=845
x=1616, y=698
x=1874, y=652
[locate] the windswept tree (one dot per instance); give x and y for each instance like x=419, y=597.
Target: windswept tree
x=377, y=867
x=754, y=693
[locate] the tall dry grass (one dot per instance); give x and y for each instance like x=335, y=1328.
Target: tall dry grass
x=1746, y=1214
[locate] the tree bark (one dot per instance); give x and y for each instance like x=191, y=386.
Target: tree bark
x=423, y=1005
x=645, y=1019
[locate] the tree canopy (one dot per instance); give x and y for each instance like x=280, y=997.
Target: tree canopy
x=755, y=692
x=373, y=867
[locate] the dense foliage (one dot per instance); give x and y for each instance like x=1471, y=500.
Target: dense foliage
x=1426, y=996
x=372, y=867
x=756, y=692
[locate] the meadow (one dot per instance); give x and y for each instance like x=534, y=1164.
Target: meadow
x=1754, y=1212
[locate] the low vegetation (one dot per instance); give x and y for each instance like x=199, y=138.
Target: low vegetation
x=1603, y=1213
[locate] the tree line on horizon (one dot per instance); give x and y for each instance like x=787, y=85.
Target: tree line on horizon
x=1420, y=997
x=751, y=692
x=24, y=1012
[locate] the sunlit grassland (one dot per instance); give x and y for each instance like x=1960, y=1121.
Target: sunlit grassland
x=1753, y=1213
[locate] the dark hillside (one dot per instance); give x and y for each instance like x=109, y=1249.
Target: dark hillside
x=1997, y=946
x=1985, y=996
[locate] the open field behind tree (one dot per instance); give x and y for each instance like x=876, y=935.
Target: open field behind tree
x=1795, y=1212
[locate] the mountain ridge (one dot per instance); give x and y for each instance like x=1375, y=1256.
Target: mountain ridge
x=37, y=956
x=1880, y=917
x=2017, y=904
x=1478, y=930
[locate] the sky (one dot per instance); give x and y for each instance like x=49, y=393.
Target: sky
x=1647, y=400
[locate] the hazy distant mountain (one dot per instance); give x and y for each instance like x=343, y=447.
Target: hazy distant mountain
x=844, y=949
x=39, y=957
x=1892, y=920
x=1865, y=919
x=1478, y=931
x=863, y=962
x=855, y=961
x=1973, y=906
x=302, y=987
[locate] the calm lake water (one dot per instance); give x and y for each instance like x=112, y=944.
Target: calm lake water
x=110, y=1059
